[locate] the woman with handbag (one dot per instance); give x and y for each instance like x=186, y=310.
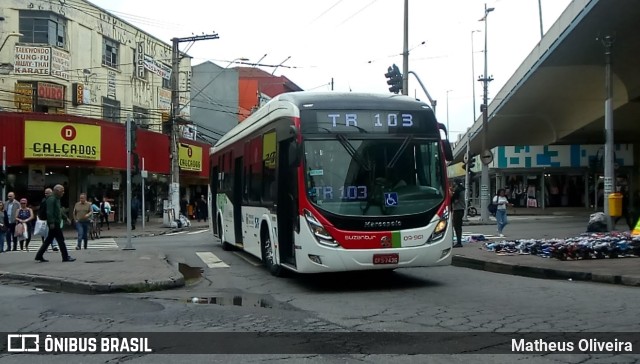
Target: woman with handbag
x=4, y=222
x=24, y=218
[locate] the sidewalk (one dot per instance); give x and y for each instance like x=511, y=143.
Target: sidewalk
x=98, y=270
x=625, y=271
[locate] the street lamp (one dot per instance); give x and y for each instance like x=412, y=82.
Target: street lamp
x=448, y=131
x=484, y=179
x=12, y=34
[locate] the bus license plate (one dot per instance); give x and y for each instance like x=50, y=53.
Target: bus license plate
x=386, y=258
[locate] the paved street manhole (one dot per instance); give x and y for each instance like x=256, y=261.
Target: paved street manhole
x=102, y=261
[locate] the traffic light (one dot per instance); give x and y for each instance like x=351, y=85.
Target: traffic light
x=470, y=165
x=134, y=129
x=3, y=179
x=394, y=79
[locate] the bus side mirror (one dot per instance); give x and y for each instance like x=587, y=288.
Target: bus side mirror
x=448, y=152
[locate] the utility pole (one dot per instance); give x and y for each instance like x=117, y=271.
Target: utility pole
x=405, y=51
x=174, y=189
x=129, y=196
x=609, y=177
x=331, y=83
x=484, y=179
x=143, y=176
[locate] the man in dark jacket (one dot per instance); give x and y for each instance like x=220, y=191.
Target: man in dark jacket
x=54, y=221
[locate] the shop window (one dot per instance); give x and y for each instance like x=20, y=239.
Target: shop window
x=110, y=52
x=111, y=109
x=42, y=27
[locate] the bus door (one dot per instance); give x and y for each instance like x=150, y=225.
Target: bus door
x=237, y=200
x=287, y=202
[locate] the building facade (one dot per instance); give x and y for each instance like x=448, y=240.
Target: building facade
x=214, y=100
x=70, y=76
x=540, y=176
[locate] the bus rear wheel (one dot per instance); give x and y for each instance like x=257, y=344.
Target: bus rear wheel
x=268, y=258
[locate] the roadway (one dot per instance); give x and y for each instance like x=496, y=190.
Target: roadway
x=247, y=298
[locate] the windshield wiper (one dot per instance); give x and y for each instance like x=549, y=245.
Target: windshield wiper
x=353, y=152
x=396, y=156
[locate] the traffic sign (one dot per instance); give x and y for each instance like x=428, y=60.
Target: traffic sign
x=486, y=157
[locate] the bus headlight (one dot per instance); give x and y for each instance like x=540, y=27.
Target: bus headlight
x=441, y=226
x=321, y=234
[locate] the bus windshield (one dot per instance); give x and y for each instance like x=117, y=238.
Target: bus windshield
x=374, y=177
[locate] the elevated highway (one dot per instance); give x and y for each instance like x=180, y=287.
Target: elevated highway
x=557, y=94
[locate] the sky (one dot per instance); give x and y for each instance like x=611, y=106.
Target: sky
x=355, y=41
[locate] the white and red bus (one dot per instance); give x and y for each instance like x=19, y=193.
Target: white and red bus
x=323, y=182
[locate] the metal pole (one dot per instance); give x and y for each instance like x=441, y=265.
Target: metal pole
x=4, y=171
x=174, y=189
x=128, y=214
x=484, y=179
x=540, y=15
x=467, y=178
x=609, y=177
x=448, y=130
x=144, y=209
x=405, y=51
x=433, y=102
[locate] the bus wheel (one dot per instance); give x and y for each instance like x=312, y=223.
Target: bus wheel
x=267, y=258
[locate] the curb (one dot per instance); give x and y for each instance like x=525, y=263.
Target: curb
x=84, y=287
x=143, y=235
x=543, y=273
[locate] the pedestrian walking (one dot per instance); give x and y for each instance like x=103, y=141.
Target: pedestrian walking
x=458, y=205
x=12, y=206
x=3, y=227
x=82, y=214
x=42, y=215
x=55, y=222
x=201, y=209
x=105, y=211
x=501, y=201
x=23, y=220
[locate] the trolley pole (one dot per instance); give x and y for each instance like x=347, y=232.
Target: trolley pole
x=405, y=52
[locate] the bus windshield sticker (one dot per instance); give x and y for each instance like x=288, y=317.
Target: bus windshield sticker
x=391, y=199
x=316, y=172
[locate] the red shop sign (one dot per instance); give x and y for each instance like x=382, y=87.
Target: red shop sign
x=50, y=94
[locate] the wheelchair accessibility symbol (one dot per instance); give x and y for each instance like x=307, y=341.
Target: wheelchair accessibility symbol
x=390, y=199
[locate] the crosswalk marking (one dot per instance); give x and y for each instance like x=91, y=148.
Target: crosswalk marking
x=211, y=260
x=104, y=243
x=176, y=233
x=198, y=232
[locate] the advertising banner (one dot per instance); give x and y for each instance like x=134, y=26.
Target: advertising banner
x=59, y=140
x=190, y=157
